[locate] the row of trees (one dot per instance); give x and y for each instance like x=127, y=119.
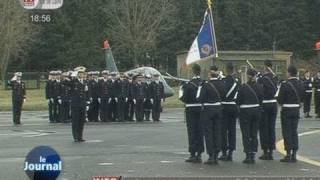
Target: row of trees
x=150, y=32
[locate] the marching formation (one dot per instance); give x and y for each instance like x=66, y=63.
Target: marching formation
x=212, y=108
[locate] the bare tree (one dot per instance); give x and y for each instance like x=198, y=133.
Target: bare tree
x=137, y=23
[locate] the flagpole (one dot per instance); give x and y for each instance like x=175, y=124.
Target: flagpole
x=214, y=42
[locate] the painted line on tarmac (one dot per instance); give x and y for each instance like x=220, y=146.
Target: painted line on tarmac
x=280, y=148
x=106, y=164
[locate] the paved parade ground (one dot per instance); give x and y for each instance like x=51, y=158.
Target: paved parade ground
x=136, y=150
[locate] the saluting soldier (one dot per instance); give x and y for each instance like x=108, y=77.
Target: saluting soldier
x=270, y=109
x=139, y=96
x=188, y=95
x=65, y=97
x=104, y=96
x=290, y=96
x=129, y=110
x=230, y=115
x=307, y=81
x=114, y=90
x=93, y=84
x=79, y=104
x=18, y=96
x=316, y=85
x=211, y=94
x=56, y=91
x=147, y=105
x=49, y=95
x=122, y=97
x=250, y=100
x=157, y=97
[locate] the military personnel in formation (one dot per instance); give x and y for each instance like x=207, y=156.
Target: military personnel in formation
x=230, y=115
x=65, y=97
x=307, y=81
x=211, y=94
x=270, y=108
x=104, y=96
x=249, y=99
x=18, y=96
x=113, y=100
x=123, y=97
x=157, y=97
x=147, y=105
x=56, y=95
x=129, y=109
x=93, y=84
x=79, y=104
x=139, y=96
x=49, y=95
x=316, y=85
x=188, y=94
x=290, y=96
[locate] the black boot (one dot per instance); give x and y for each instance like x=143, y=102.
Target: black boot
x=270, y=154
x=223, y=157
x=192, y=158
x=252, y=158
x=229, y=157
x=293, y=156
x=198, y=158
x=249, y=158
x=213, y=160
x=265, y=155
x=287, y=158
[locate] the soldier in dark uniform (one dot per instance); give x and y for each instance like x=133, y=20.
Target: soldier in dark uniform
x=93, y=84
x=267, y=124
x=230, y=115
x=316, y=85
x=147, y=105
x=290, y=96
x=157, y=97
x=210, y=95
x=49, y=95
x=129, y=110
x=123, y=96
x=79, y=104
x=18, y=96
x=250, y=99
x=56, y=95
x=188, y=94
x=104, y=96
x=139, y=97
x=114, y=90
x=65, y=97
x=307, y=81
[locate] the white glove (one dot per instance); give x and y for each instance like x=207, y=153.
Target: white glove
x=99, y=100
x=87, y=108
x=116, y=99
x=91, y=99
x=86, y=88
x=162, y=100
x=24, y=100
x=151, y=100
x=51, y=100
x=109, y=100
x=134, y=101
x=126, y=99
x=59, y=101
x=88, y=102
x=144, y=99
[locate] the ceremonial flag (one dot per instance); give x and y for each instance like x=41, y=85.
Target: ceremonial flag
x=205, y=44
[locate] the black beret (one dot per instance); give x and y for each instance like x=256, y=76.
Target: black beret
x=251, y=72
x=230, y=66
x=196, y=69
x=268, y=63
x=292, y=70
x=214, y=68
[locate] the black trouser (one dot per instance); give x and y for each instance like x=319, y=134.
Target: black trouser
x=121, y=105
x=317, y=102
x=104, y=110
x=16, y=110
x=228, y=133
x=113, y=114
x=50, y=107
x=93, y=112
x=289, y=124
x=129, y=110
x=156, y=109
x=211, y=117
x=139, y=110
x=78, y=114
x=147, y=106
x=194, y=129
x=249, y=123
x=56, y=110
x=267, y=126
x=307, y=102
x=64, y=110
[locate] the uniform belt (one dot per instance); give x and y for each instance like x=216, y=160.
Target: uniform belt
x=308, y=91
x=193, y=105
x=291, y=105
x=249, y=106
x=229, y=103
x=269, y=101
x=212, y=104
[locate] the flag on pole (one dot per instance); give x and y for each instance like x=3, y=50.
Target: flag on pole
x=205, y=44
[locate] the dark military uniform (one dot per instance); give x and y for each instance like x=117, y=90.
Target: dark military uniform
x=230, y=115
x=188, y=93
x=290, y=95
x=79, y=102
x=65, y=98
x=249, y=99
x=316, y=85
x=157, y=96
x=93, y=113
x=139, y=96
x=147, y=105
x=104, y=95
x=269, y=115
x=49, y=97
x=18, y=96
x=114, y=91
x=308, y=94
x=129, y=109
x=122, y=96
x=211, y=94
x=56, y=95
